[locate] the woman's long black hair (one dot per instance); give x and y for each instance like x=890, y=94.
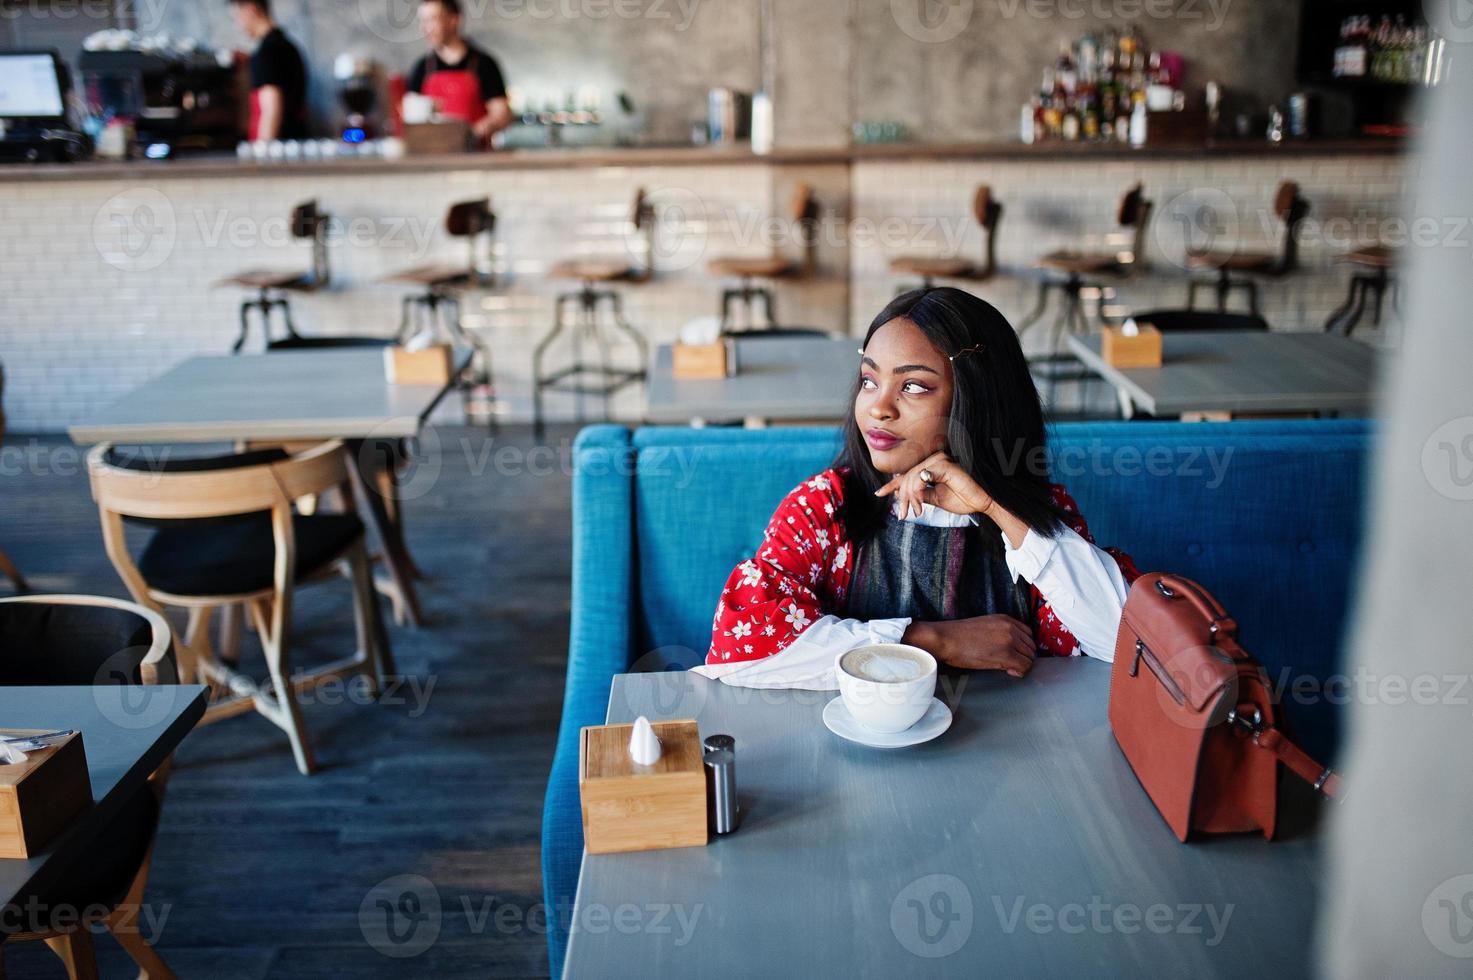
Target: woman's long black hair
x=996, y=428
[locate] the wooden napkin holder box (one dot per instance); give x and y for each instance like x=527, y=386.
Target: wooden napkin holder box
x=695, y=361
x=629, y=807
x=430, y=366
x=40, y=797
x=438, y=137
x=1123, y=350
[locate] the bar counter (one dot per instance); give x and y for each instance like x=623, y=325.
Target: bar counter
x=695, y=156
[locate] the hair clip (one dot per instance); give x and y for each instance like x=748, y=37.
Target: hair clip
x=859, y=351
x=967, y=350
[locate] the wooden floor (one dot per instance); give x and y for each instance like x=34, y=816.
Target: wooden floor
x=261, y=872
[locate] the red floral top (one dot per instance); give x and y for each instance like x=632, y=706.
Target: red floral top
x=802, y=569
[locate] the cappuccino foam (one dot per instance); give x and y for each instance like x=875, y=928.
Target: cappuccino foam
x=884, y=666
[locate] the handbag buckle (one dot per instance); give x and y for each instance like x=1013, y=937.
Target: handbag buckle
x=1253, y=726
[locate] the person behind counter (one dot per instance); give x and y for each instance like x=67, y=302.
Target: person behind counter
x=278, y=75
x=464, y=81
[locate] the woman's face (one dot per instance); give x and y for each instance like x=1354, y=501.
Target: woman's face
x=904, y=397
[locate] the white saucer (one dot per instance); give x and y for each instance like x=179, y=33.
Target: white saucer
x=936, y=720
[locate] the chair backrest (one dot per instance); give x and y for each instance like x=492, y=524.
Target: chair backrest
x=82, y=640
x=642, y=220
x=803, y=213
x=1134, y=213
x=473, y=220
x=988, y=212
x=309, y=222
x=1290, y=207
x=169, y=490
x=1168, y=321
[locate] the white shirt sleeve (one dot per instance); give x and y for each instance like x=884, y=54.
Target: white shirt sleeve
x=1082, y=585
x=807, y=664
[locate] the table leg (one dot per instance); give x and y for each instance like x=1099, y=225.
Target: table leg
x=375, y=512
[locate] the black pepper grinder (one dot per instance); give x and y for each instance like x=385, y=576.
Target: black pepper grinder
x=721, y=792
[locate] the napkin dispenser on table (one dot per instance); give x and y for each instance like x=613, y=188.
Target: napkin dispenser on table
x=41, y=795
x=702, y=352
x=430, y=365
x=632, y=807
x=1131, y=345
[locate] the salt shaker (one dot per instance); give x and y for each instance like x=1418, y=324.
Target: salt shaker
x=721, y=792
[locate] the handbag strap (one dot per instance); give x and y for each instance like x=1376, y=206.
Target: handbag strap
x=1298, y=761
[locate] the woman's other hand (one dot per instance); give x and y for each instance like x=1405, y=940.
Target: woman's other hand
x=997, y=642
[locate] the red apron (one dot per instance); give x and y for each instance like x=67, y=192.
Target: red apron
x=254, y=131
x=457, y=92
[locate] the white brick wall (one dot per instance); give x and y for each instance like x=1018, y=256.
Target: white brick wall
x=105, y=284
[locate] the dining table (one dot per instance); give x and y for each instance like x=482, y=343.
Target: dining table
x=1222, y=374
x=1017, y=843
x=127, y=732
x=293, y=397
x=782, y=378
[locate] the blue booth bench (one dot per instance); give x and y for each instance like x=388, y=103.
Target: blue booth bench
x=1265, y=514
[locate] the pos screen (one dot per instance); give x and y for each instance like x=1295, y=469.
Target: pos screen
x=30, y=86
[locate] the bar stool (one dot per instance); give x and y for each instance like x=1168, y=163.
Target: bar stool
x=1241, y=270
x=227, y=535
x=440, y=287
x=803, y=212
x=594, y=277
x=269, y=284
x=1074, y=273
x=1378, y=260
x=987, y=212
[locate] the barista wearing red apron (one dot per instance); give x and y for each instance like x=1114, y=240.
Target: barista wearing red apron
x=464, y=81
x=278, y=75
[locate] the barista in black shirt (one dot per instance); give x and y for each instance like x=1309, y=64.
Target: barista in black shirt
x=278, y=75
x=464, y=81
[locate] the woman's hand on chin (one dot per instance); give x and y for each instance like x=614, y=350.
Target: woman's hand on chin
x=950, y=487
x=996, y=642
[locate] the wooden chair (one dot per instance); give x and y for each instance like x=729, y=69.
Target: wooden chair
x=595, y=278
x=1075, y=272
x=988, y=212
x=269, y=285
x=226, y=537
x=803, y=212
x=90, y=640
x=1373, y=280
x=439, y=286
x=1240, y=269
x=7, y=567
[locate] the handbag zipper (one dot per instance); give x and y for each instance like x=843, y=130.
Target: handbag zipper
x=1172, y=688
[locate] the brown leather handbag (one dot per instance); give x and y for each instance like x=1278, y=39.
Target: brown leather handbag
x=1192, y=712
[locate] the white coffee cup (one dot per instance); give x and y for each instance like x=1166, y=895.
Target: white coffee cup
x=887, y=687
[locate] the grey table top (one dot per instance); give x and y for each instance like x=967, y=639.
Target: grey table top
x=1244, y=371
x=1017, y=844
x=126, y=731
x=313, y=394
x=778, y=378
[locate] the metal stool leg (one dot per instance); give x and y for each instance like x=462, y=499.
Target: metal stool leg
x=538, y=377
x=1038, y=309
x=1224, y=287
x=1252, y=288
x=1332, y=325
x=1192, y=285
x=769, y=306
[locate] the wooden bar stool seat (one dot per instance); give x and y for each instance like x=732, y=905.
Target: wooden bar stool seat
x=269, y=284
x=227, y=537
x=1370, y=284
x=768, y=269
x=987, y=211
x=577, y=311
x=1076, y=272
x=435, y=303
x=1240, y=269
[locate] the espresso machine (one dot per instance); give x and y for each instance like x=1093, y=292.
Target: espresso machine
x=179, y=101
x=359, y=81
